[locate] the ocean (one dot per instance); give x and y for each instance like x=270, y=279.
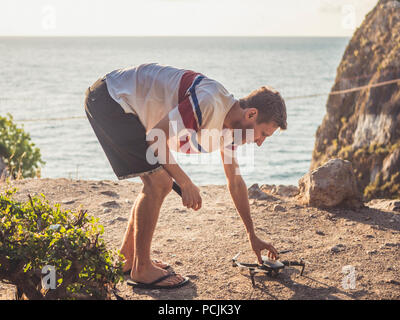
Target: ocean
x=46, y=77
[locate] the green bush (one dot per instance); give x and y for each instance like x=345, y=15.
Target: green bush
x=33, y=234
x=17, y=150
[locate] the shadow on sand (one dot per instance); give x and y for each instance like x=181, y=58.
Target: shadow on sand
x=322, y=291
x=369, y=216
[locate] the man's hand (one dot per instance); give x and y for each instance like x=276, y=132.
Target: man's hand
x=191, y=196
x=258, y=245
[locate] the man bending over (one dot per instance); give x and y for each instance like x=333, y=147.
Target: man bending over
x=141, y=113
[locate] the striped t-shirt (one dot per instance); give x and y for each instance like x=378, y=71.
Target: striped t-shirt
x=196, y=105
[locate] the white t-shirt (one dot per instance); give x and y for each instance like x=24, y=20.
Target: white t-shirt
x=196, y=104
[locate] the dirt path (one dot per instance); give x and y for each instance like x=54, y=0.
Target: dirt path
x=201, y=244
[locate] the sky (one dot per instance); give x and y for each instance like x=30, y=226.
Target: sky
x=182, y=17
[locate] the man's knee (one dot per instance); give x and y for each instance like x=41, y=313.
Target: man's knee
x=157, y=184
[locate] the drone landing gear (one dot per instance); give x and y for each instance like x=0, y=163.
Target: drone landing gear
x=269, y=267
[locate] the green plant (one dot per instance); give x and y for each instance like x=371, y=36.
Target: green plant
x=19, y=153
x=34, y=235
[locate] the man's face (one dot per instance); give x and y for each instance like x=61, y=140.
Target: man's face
x=261, y=130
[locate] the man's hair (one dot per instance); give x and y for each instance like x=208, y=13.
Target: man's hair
x=270, y=106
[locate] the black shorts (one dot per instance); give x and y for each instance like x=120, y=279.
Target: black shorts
x=121, y=135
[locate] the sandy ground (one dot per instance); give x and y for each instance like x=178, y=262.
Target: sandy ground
x=201, y=244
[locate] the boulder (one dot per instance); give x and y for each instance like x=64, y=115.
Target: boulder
x=330, y=185
x=254, y=192
x=281, y=190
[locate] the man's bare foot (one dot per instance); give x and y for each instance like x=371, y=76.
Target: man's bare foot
x=159, y=264
x=153, y=273
x=156, y=263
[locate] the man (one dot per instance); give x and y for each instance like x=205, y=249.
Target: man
x=132, y=110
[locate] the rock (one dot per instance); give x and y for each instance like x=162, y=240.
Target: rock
x=281, y=190
x=392, y=281
x=394, y=206
x=330, y=185
x=393, y=245
x=385, y=204
x=68, y=201
x=363, y=126
x=279, y=208
x=110, y=193
x=254, y=192
x=372, y=252
x=111, y=204
x=338, y=248
x=117, y=219
x=106, y=210
x=319, y=233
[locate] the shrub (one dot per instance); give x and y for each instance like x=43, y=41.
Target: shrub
x=19, y=153
x=34, y=235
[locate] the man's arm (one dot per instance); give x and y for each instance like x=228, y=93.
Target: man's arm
x=238, y=190
x=190, y=193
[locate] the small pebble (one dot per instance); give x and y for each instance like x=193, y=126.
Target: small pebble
x=278, y=207
x=117, y=219
x=68, y=201
x=110, y=193
x=106, y=210
x=110, y=204
x=390, y=244
x=392, y=281
x=337, y=248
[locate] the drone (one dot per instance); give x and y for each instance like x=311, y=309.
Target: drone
x=269, y=267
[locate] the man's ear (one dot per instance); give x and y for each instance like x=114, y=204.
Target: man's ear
x=252, y=114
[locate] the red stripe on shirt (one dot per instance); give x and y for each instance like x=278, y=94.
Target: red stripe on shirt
x=186, y=110
x=185, y=83
x=185, y=107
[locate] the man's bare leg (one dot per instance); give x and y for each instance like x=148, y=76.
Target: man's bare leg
x=127, y=247
x=156, y=187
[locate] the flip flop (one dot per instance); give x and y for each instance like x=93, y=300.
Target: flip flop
x=128, y=272
x=153, y=285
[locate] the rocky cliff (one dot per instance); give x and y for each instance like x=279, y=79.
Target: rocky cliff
x=363, y=126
